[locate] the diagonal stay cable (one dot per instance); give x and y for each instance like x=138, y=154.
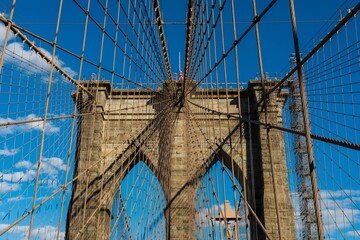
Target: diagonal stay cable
x=20, y=29
x=349, y=145
x=43, y=55
x=335, y=30
x=236, y=42
x=205, y=166
x=162, y=37
x=133, y=148
x=189, y=23
x=134, y=145
x=125, y=36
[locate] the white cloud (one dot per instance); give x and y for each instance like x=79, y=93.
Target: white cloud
x=47, y=232
x=353, y=233
x=18, y=198
x=16, y=51
x=23, y=164
x=50, y=128
x=26, y=127
x=6, y=187
x=339, y=219
x=27, y=59
x=15, y=229
x=340, y=211
x=339, y=193
x=18, y=176
x=22, y=198
x=52, y=165
x=2, y=34
x=49, y=166
x=31, y=62
x=6, y=129
x=69, y=71
x=7, y=152
x=42, y=232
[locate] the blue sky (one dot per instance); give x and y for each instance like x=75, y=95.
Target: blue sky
x=19, y=144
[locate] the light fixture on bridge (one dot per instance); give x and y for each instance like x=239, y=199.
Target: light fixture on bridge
x=230, y=218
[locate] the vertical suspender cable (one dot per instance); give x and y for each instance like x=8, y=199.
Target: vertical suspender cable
x=258, y=40
x=7, y=33
x=244, y=186
x=162, y=37
x=309, y=146
x=44, y=122
x=102, y=164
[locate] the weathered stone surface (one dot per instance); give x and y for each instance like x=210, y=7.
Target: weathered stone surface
x=179, y=144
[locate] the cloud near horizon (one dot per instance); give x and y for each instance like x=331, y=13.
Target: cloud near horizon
x=27, y=59
x=8, y=152
x=40, y=232
x=2, y=34
x=340, y=213
x=26, y=171
x=26, y=127
x=8, y=187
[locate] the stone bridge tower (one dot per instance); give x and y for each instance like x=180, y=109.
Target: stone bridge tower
x=179, y=153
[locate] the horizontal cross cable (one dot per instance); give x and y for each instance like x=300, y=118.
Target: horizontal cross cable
x=349, y=145
x=199, y=174
x=11, y=123
x=134, y=145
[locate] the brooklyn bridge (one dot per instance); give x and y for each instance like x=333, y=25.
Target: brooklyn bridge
x=154, y=119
